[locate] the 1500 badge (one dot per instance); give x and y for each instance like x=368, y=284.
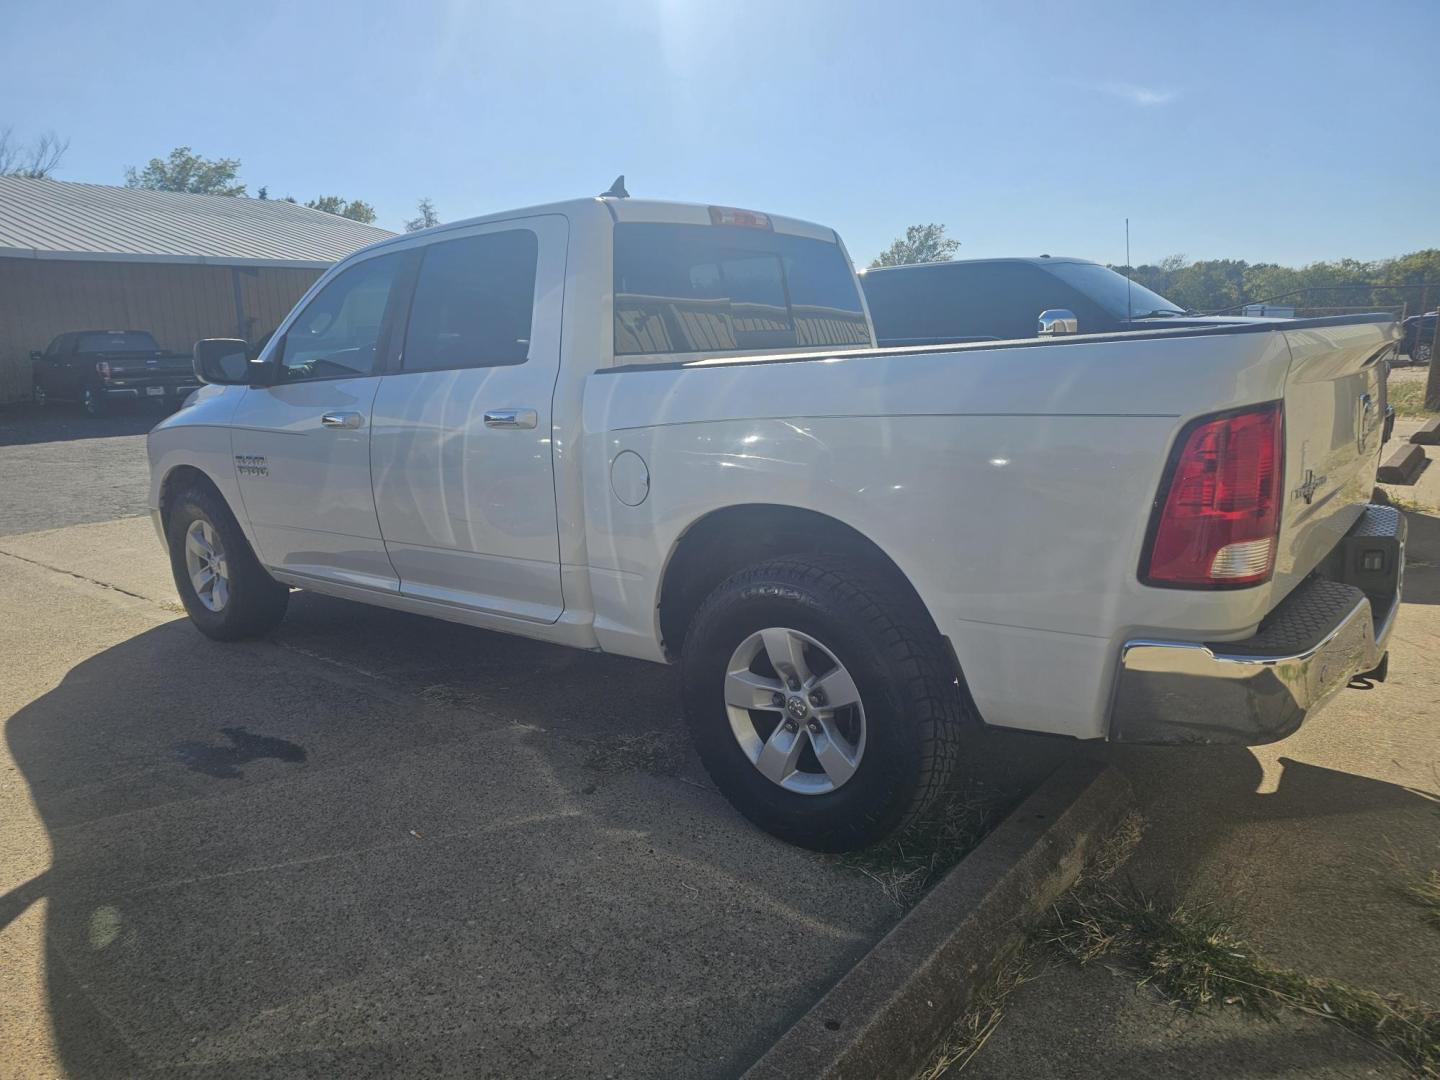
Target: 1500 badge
x=251, y=465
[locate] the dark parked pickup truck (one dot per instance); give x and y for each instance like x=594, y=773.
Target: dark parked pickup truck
x=98, y=367
x=1004, y=299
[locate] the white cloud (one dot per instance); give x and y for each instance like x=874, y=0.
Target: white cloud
x=1147, y=96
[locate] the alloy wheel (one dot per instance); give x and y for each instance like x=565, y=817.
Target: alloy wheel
x=206, y=565
x=795, y=711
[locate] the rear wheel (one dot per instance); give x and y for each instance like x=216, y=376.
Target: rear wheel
x=820, y=701
x=1420, y=353
x=39, y=395
x=93, y=402
x=225, y=590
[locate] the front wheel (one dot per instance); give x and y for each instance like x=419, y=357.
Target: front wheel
x=225, y=590
x=820, y=701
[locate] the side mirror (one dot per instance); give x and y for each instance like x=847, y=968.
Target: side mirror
x=224, y=361
x=1055, y=321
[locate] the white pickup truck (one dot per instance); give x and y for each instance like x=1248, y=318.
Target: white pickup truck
x=664, y=431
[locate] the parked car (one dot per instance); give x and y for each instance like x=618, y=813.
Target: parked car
x=96, y=368
x=664, y=431
x=1004, y=299
x=1417, y=337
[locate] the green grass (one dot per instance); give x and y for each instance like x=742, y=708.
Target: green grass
x=1408, y=396
x=1197, y=958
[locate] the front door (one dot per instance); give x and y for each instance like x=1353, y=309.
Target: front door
x=302, y=445
x=464, y=485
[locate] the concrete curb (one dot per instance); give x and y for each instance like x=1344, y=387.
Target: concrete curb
x=885, y=1016
x=1429, y=433
x=1404, y=464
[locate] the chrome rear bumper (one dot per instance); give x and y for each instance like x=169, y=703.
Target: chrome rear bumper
x=1326, y=632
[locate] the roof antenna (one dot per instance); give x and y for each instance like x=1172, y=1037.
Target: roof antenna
x=617, y=189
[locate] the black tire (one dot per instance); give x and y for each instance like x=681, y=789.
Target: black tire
x=40, y=396
x=256, y=601
x=93, y=403
x=911, y=699
x=1420, y=352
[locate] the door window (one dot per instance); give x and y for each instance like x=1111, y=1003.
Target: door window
x=474, y=303
x=338, y=332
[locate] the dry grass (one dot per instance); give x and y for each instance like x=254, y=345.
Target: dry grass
x=1425, y=893
x=909, y=862
x=983, y=1015
x=1405, y=390
x=1197, y=958
x=986, y=1009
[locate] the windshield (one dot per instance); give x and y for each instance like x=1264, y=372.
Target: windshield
x=113, y=341
x=1117, y=295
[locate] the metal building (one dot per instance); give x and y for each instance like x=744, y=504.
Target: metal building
x=184, y=267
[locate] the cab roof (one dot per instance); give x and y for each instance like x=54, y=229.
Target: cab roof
x=622, y=210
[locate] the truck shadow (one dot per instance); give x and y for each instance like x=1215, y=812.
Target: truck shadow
x=1422, y=578
x=264, y=859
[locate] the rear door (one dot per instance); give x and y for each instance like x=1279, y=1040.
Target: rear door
x=464, y=485
x=302, y=445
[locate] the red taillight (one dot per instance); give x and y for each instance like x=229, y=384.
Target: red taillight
x=1220, y=515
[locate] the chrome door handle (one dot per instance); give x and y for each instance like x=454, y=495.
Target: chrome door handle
x=341, y=419
x=511, y=418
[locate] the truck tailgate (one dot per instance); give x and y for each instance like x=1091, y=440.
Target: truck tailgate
x=1334, y=417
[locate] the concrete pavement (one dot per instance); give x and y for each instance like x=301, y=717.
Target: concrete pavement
x=269, y=859
x=1307, y=843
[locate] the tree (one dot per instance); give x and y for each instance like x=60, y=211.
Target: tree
x=920, y=244
x=427, y=216
x=187, y=171
x=37, y=161
x=355, y=210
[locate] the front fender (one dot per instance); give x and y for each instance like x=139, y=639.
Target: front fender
x=198, y=437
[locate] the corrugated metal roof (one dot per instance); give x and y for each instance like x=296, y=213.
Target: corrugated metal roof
x=54, y=219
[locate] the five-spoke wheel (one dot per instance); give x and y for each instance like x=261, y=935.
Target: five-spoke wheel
x=205, y=562
x=820, y=699
x=795, y=711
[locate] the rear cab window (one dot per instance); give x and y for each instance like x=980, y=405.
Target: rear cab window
x=730, y=288
x=116, y=341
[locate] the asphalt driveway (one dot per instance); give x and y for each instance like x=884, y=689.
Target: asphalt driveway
x=60, y=467
x=374, y=844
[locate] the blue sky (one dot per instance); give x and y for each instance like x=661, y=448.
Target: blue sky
x=1280, y=132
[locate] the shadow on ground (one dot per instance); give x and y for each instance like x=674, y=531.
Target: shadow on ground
x=26, y=423
x=382, y=845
